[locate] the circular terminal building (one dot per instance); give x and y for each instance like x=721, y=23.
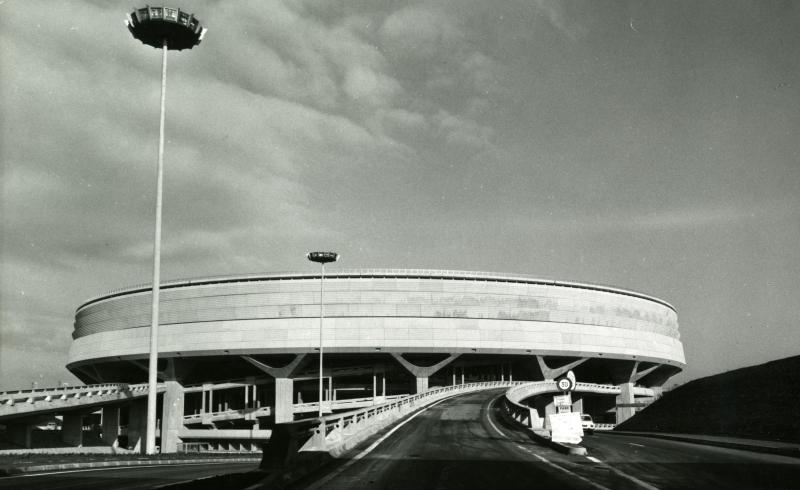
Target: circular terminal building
x=417, y=328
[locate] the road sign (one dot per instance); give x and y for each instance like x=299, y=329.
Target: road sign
x=563, y=403
x=567, y=382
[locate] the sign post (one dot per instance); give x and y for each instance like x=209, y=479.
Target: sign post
x=565, y=425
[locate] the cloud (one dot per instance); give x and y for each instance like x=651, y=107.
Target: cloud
x=281, y=52
x=556, y=12
x=365, y=85
x=463, y=131
x=420, y=32
x=401, y=122
x=677, y=219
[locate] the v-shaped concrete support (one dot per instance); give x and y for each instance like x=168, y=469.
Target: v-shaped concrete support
x=423, y=371
x=281, y=372
x=553, y=373
x=637, y=375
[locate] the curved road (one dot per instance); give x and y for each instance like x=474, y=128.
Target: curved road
x=462, y=442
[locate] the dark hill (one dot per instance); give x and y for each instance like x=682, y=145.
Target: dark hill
x=758, y=402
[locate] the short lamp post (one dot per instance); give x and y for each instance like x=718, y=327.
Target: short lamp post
x=162, y=28
x=321, y=258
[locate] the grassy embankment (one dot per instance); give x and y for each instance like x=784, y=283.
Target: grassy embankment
x=757, y=402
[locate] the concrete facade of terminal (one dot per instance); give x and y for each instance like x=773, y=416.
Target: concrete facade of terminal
x=238, y=355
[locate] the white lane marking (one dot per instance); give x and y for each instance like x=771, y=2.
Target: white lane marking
x=634, y=444
x=590, y=458
x=558, y=467
x=117, y=467
x=635, y=480
x=331, y=476
x=544, y=460
x=486, y=411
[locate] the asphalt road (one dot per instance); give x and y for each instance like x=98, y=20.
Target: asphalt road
x=123, y=477
x=464, y=443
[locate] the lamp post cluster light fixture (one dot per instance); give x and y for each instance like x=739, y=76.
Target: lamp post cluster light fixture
x=321, y=258
x=164, y=28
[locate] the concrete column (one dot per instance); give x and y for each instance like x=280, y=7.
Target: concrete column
x=384, y=384
x=111, y=425
x=137, y=424
x=549, y=409
x=374, y=385
x=454, y=376
x=20, y=434
x=422, y=384
x=249, y=381
x=625, y=398
x=72, y=429
x=462, y=375
x=283, y=408
x=577, y=404
x=511, y=372
x=171, y=417
x=536, y=422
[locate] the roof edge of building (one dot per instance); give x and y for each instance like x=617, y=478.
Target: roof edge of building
x=375, y=273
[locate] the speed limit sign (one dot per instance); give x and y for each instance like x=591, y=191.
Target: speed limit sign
x=566, y=383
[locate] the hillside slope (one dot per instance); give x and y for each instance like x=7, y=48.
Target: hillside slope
x=759, y=402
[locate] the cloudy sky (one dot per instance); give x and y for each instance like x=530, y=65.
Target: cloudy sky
x=649, y=145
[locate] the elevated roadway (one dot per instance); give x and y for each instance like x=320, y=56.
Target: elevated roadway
x=31, y=403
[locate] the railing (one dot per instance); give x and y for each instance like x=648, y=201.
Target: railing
x=339, y=432
x=524, y=414
x=25, y=401
x=61, y=389
x=530, y=418
x=235, y=413
x=330, y=405
x=220, y=447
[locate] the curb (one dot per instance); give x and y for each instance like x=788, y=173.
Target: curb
x=558, y=446
x=19, y=470
x=793, y=452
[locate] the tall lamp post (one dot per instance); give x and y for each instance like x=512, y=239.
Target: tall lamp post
x=322, y=258
x=163, y=28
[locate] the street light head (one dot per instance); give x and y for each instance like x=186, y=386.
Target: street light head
x=322, y=257
x=153, y=25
